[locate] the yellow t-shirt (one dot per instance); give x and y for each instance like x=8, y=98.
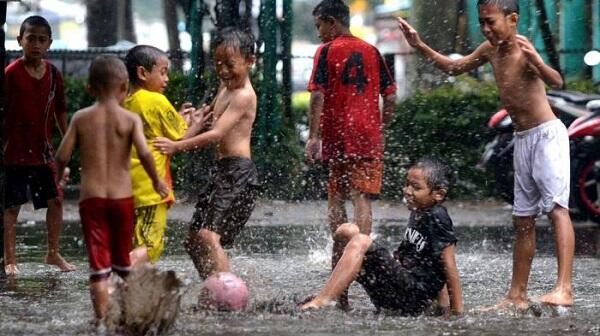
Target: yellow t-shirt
x=160, y=119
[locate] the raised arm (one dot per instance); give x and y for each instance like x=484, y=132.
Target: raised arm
x=442, y=62
x=452, y=280
x=550, y=76
x=65, y=150
x=227, y=121
x=146, y=158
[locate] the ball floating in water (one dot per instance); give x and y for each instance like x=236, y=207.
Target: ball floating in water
x=224, y=291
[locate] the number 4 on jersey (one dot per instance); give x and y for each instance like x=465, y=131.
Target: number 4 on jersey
x=354, y=72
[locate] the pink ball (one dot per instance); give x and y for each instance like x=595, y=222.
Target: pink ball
x=224, y=291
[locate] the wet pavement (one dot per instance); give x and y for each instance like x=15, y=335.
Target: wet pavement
x=284, y=255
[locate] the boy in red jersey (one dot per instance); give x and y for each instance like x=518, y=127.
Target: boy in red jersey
x=348, y=77
x=35, y=100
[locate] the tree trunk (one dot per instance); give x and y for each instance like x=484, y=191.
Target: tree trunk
x=436, y=21
x=170, y=13
x=101, y=21
x=126, y=25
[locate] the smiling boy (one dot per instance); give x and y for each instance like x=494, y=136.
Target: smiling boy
x=541, y=154
x=226, y=202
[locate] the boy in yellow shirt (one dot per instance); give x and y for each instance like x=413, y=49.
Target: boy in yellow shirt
x=148, y=73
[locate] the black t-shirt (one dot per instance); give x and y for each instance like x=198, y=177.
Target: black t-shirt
x=428, y=233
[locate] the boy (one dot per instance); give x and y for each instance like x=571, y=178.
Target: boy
x=226, y=203
x=105, y=133
x=348, y=77
x=422, y=267
x=541, y=154
x=148, y=74
x=35, y=101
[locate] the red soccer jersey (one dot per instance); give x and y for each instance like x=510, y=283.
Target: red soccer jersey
x=30, y=114
x=351, y=74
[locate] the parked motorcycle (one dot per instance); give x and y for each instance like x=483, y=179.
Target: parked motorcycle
x=570, y=107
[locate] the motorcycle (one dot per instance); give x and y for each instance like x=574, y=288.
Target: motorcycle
x=572, y=109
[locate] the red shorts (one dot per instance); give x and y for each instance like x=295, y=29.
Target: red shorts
x=108, y=233
x=363, y=175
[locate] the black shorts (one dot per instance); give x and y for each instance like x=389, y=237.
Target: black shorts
x=226, y=202
x=390, y=285
x=40, y=180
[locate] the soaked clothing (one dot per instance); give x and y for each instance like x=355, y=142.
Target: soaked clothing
x=160, y=119
x=31, y=107
x=226, y=202
x=542, y=169
x=108, y=232
x=363, y=175
x=410, y=279
x=150, y=225
x=39, y=180
x=352, y=75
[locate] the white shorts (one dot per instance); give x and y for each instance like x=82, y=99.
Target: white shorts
x=542, y=169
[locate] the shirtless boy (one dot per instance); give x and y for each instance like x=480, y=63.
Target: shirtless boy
x=541, y=154
x=105, y=133
x=227, y=201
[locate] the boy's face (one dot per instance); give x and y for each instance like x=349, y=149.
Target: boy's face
x=157, y=79
x=35, y=41
x=325, y=28
x=497, y=27
x=418, y=194
x=231, y=66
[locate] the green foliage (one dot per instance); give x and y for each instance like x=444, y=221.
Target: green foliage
x=448, y=123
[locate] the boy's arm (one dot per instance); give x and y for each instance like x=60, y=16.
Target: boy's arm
x=311, y=150
x=444, y=63
x=389, y=103
x=452, y=280
x=145, y=156
x=63, y=154
x=228, y=120
x=61, y=106
x=550, y=76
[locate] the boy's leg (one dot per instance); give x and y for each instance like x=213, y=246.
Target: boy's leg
x=209, y=257
x=565, y=249
x=149, y=233
x=10, y=240
x=524, y=251
x=99, y=295
x=54, y=217
x=363, y=215
x=344, y=273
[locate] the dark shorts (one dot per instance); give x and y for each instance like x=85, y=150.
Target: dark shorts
x=40, y=181
x=108, y=234
x=226, y=202
x=390, y=285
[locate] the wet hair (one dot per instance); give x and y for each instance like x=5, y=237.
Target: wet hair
x=506, y=6
x=142, y=55
x=35, y=21
x=438, y=174
x=238, y=39
x=333, y=9
x=106, y=71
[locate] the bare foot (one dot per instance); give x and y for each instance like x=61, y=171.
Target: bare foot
x=58, y=261
x=316, y=304
x=11, y=270
x=557, y=297
x=507, y=304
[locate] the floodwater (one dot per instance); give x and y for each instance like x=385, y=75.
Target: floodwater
x=285, y=263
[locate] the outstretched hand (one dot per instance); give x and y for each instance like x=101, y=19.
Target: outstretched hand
x=164, y=145
x=529, y=50
x=186, y=111
x=202, y=117
x=411, y=35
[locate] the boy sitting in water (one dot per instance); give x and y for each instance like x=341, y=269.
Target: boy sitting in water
x=541, y=153
x=148, y=69
x=226, y=202
x=105, y=133
x=408, y=280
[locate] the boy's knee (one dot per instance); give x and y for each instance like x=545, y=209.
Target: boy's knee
x=524, y=223
x=208, y=238
x=346, y=231
x=55, y=203
x=12, y=212
x=360, y=242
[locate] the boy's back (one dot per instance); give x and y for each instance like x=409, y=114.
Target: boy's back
x=104, y=134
